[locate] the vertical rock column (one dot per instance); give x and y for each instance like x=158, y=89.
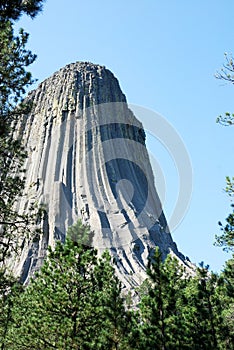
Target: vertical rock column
x=87, y=159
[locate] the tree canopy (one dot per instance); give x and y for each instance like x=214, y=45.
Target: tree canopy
x=77, y=297
x=77, y=302
x=13, y=9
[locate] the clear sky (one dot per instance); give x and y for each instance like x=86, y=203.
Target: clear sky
x=165, y=54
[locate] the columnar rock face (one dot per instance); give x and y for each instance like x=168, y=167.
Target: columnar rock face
x=87, y=159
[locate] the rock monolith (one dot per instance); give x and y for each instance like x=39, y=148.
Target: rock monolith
x=87, y=160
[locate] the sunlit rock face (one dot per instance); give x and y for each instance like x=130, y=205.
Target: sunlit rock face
x=87, y=159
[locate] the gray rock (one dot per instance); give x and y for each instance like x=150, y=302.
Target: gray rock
x=87, y=159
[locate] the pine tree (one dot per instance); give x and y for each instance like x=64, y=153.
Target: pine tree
x=13, y=9
x=118, y=331
x=75, y=302
x=162, y=325
x=14, y=79
x=204, y=310
x=10, y=288
x=228, y=302
x=226, y=239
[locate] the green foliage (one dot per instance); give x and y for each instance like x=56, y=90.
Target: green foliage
x=74, y=303
x=229, y=186
x=228, y=298
x=204, y=310
x=9, y=290
x=228, y=275
x=162, y=325
x=11, y=186
x=227, y=74
x=14, y=79
x=226, y=240
x=80, y=234
x=13, y=9
x=180, y=311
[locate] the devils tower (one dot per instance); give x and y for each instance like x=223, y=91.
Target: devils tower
x=87, y=160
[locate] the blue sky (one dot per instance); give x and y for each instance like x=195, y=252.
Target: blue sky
x=165, y=55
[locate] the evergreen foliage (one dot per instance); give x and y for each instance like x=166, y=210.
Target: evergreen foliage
x=14, y=79
x=226, y=239
x=182, y=311
x=204, y=310
x=160, y=308
x=9, y=289
x=13, y=9
x=228, y=300
x=75, y=302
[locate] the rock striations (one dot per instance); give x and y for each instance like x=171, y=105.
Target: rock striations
x=87, y=159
